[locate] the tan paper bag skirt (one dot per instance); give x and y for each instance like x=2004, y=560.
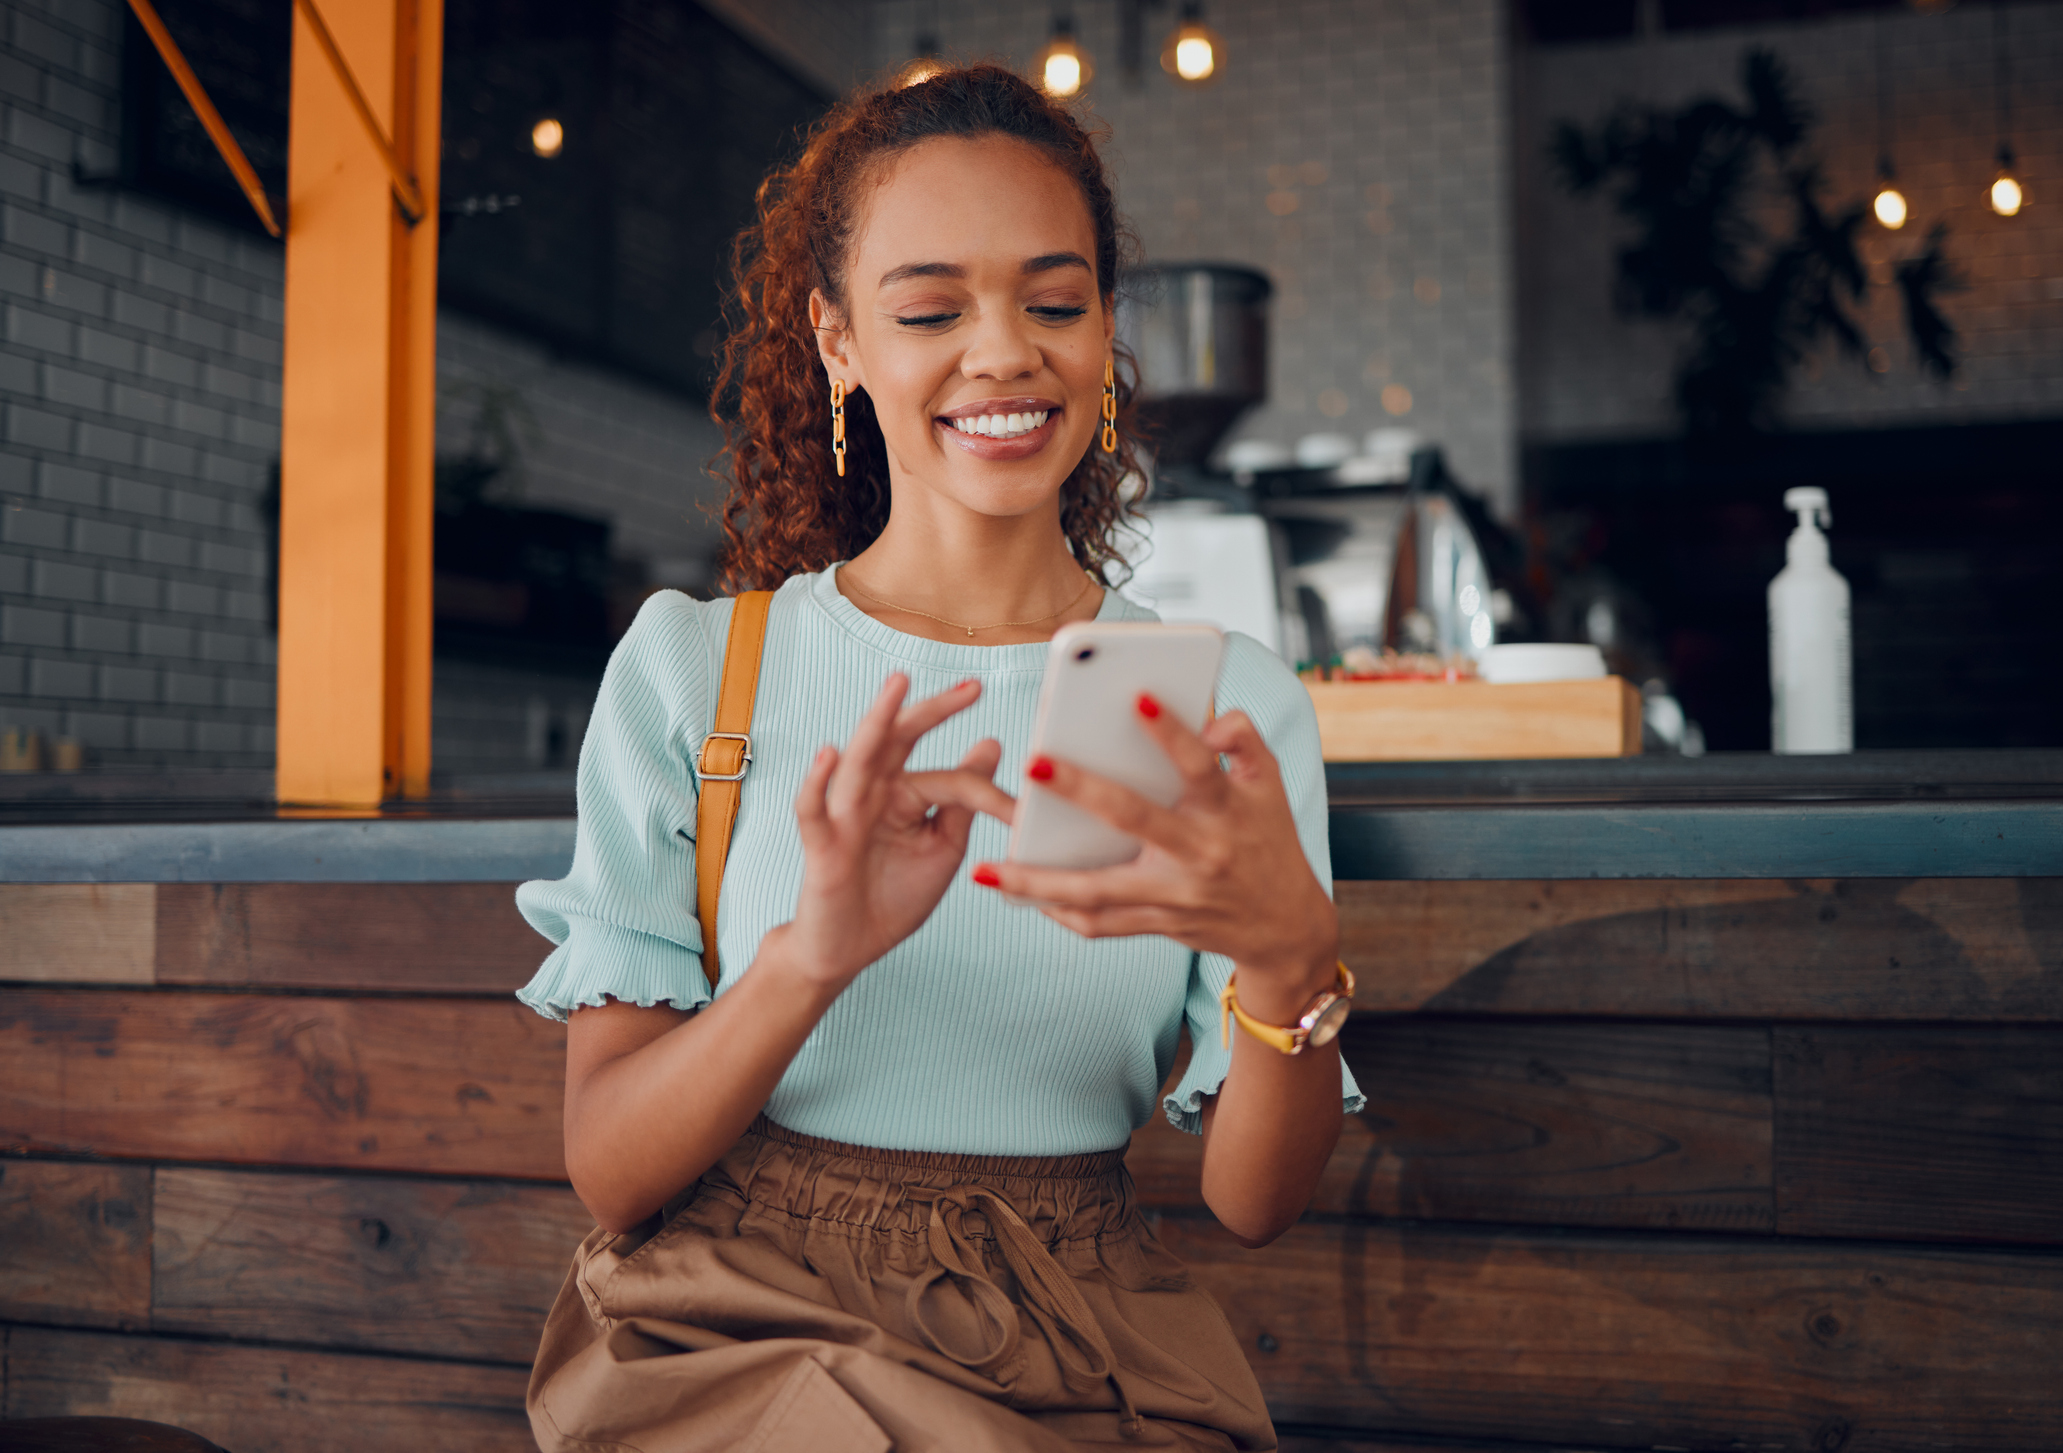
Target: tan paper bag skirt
x=819, y=1297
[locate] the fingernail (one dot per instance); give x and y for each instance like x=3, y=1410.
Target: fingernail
x=1148, y=707
x=1040, y=770
x=988, y=877
x=968, y=682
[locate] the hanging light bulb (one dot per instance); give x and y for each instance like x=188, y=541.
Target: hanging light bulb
x=926, y=63
x=1890, y=202
x=1062, y=67
x=2006, y=197
x=1194, y=51
x=918, y=71
x=548, y=137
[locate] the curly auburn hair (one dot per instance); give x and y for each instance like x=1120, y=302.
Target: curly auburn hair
x=788, y=511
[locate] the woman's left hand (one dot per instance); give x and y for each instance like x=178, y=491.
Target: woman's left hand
x=1221, y=871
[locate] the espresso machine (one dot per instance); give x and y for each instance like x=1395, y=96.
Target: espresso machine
x=1369, y=551
x=1199, y=332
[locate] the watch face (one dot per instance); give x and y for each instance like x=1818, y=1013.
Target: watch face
x=1326, y=1026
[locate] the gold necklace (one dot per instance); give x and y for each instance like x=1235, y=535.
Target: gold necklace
x=1087, y=581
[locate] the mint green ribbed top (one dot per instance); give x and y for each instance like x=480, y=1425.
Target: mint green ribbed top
x=991, y=1030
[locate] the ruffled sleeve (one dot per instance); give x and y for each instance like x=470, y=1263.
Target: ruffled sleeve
x=1255, y=680
x=623, y=919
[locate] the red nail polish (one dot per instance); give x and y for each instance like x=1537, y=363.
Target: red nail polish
x=988, y=877
x=1148, y=707
x=968, y=682
x=1040, y=770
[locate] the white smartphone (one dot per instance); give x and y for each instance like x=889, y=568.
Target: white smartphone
x=1089, y=715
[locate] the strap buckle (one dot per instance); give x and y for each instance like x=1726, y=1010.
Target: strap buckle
x=745, y=755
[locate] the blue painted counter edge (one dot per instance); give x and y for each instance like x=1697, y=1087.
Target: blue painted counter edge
x=1790, y=840
x=389, y=850
x=1735, y=840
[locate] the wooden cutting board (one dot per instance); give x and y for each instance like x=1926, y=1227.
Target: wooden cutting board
x=1445, y=721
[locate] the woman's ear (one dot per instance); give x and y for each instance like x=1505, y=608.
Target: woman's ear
x=834, y=343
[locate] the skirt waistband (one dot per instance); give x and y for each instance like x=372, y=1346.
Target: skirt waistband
x=1090, y=1165
x=866, y=1189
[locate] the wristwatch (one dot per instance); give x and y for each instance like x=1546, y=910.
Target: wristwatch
x=1319, y=1023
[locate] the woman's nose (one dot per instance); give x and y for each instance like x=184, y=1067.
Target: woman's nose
x=1000, y=349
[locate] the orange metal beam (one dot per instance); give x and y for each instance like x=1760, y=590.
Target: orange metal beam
x=196, y=95
x=405, y=190
x=356, y=415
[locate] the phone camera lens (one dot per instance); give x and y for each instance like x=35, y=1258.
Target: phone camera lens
x=1085, y=653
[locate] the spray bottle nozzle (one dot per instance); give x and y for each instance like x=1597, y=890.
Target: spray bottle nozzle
x=1810, y=497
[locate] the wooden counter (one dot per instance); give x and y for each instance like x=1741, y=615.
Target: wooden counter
x=1722, y=1152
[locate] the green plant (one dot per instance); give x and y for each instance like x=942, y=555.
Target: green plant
x=1697, y=183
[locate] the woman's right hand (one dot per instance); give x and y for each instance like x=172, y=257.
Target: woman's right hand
x=880, y=844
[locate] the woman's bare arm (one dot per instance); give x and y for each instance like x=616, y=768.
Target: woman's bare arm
x=655, y=1096
x=1224, y=872
x=1271, y=1127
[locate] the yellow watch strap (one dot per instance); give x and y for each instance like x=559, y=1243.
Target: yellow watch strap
x=1283, y=1041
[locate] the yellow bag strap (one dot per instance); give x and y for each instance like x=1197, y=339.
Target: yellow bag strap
x=723, y=759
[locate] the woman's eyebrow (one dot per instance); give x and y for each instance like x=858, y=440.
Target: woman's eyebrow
x=1047, y=261
x=1044, y=262
x=922, y=269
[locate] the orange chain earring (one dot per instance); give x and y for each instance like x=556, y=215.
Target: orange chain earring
x=838, y=424
x=1109, y=406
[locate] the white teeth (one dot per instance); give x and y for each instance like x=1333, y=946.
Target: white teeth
x=1002, y=426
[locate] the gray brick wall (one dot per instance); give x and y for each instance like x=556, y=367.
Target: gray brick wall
x=825, y=40
x=139, y=419
x=140, y=382
x=606, y=446
x=1588, y=372
x=1355, y=151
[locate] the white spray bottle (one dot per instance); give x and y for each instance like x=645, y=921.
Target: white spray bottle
x=1811, y=681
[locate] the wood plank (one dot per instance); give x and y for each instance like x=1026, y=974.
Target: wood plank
x=432, y=938
x=87, y=933
x=439, y=1268
x=75, y=1243
x=1647, y=1125
x=1866, y=948
x=1643, y=1341
x=446, y=1086
x=1939, y=1134
x=266, y=1400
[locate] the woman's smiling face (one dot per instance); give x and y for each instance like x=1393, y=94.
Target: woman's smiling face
x=974, y=322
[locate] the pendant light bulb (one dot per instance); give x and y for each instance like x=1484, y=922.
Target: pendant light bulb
x=925, y=63
x=2005, y=195
x=918, y=71
x=1063, y=68
x=1194, y=51
x=1890, y=207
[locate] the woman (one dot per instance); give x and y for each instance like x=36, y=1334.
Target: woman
x=871, y=1194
